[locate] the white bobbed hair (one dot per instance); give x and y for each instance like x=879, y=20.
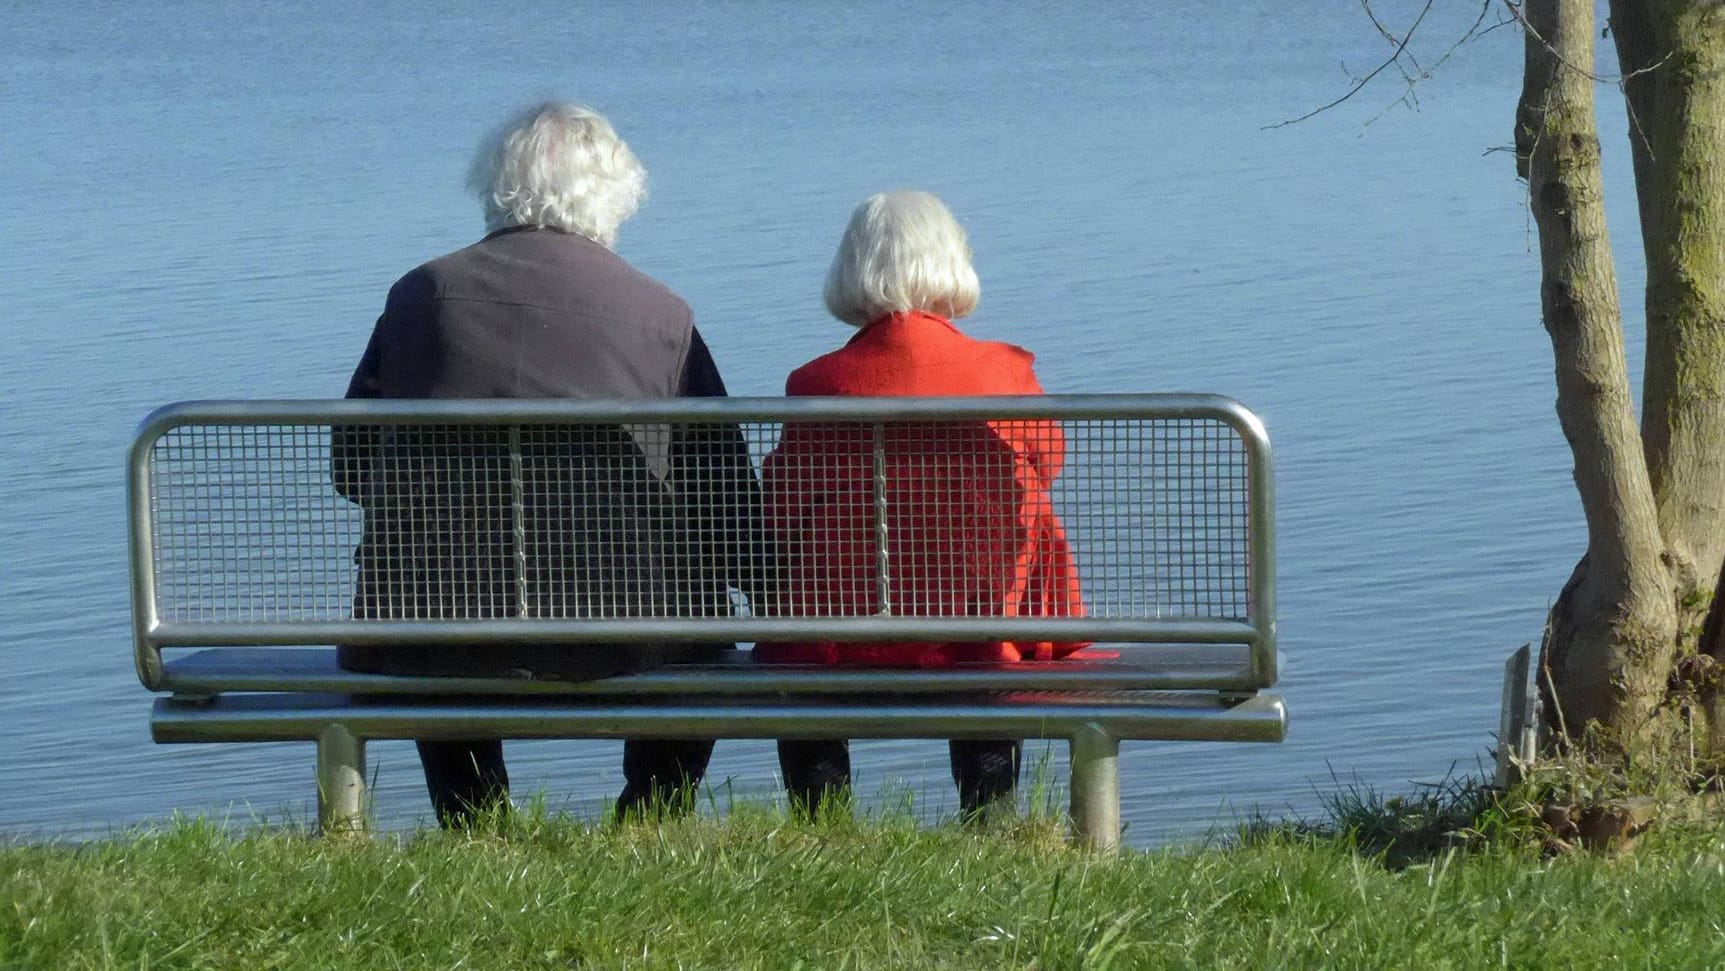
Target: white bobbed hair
x=560, y=166
x=902, y=251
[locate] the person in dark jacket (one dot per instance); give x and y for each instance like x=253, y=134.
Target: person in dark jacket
x=614, y=521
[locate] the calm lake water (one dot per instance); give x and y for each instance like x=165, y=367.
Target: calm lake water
x=205, y=200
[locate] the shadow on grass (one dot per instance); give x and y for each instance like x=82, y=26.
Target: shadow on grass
x=1458, y=813
x=1036, y=816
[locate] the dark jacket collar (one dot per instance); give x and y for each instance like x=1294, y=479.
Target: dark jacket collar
x=507, y=230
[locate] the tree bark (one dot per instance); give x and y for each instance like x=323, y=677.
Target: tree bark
x=1608, y=649
x=1672, y=53
x=1701, y=678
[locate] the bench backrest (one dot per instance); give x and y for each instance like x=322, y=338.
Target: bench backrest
x=425, y=522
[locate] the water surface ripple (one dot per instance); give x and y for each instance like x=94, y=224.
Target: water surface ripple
x=209, y=200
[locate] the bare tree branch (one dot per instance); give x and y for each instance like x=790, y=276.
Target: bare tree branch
x=1410, y=79
x=1359, y=85
x=1472, y=32
x=1394, y=41
x=1515, y=11
x=1620, y=80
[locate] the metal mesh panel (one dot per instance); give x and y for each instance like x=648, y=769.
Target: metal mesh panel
x=299, y=522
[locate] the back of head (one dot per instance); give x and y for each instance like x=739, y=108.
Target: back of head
x=902, y=251
x=558, y=166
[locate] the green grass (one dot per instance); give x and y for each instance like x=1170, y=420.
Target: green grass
x=756, y=890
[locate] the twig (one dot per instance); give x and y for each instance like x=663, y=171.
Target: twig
x=1410, y=79
x=1620, y=80
x=1394, y=41
x=1394, y=58
x=1502, y=23
x=1472, y=32
x=1514, y=7
x=1556, y=705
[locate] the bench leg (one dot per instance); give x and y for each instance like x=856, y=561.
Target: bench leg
x=340, y=781
x=1096, y=788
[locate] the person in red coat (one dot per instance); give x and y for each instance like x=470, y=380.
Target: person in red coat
x=971, y=526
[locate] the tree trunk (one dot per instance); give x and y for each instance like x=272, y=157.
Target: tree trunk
x=1672, y=53
x=1702, y=678
x=1608, y=650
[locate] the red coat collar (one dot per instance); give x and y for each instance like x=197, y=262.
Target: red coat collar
x=903, y=318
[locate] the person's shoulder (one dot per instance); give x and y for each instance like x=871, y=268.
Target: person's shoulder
x=996, y=354
x=454, y=259
x=1008, y=358
x=563, y=271
x=610, y=278
x=1012, y=352
x=416, y=285
x=823, y=375
x=653, y=290
x=427, y=277
x=809, y=378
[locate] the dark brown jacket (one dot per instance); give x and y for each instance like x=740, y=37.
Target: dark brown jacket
x=616, y=522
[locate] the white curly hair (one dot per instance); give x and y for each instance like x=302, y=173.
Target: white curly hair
x=902, y=251
x=558, y=165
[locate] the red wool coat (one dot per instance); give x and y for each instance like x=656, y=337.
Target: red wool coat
x=973, y=531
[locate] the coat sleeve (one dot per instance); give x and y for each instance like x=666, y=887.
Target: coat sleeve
x=350, y=447
x=1053, y=589
x=399, y=338
x=700, y=378
x=1043, y=442
x=365, y=380
x=719, y=496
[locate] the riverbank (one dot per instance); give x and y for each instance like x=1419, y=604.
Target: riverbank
x=756, y=890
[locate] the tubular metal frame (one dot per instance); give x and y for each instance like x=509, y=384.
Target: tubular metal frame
x=1149, y=668
x=1258, y=631
x=1092, y=723
x=1191, y=684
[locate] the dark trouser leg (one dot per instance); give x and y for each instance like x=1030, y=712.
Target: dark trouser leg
x=814, y=769
x=662, y=772
x=986, y=770
x=464, y=778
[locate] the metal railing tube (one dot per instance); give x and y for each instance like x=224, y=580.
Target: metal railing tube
x=153, y=628
x=1261, y=544
x=502, y=411
x=340, y=780
x=145, y=654
x=518, y=523
x=1096, y=787
x=883, y=581
x=636, y=630
x=274, y=718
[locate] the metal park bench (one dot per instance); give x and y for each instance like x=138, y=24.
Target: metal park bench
x=479, y=529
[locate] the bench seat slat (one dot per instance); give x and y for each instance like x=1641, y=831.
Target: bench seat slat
x=1182, y=716
x=1135, y=668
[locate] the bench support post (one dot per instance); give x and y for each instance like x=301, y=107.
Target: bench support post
x=340, y=781
x=1096, y=788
